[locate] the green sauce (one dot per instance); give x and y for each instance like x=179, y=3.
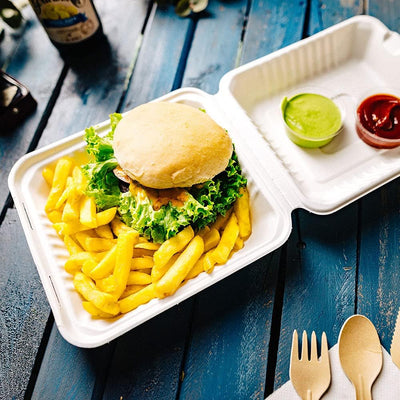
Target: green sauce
x=313, y=119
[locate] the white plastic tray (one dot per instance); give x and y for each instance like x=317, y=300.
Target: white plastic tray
x=281, y=175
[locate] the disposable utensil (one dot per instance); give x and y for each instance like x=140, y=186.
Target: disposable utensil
x=360, y=354
x=395, y=346
x=310, y=377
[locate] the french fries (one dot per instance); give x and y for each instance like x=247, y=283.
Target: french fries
x=114, y=269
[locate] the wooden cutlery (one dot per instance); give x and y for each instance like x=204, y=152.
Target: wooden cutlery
x=310, y=376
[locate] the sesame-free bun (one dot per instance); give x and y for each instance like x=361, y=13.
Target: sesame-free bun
x=164, y=145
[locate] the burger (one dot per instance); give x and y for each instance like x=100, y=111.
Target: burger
x=164, y=166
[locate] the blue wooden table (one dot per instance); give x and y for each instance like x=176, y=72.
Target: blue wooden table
x=232, y=340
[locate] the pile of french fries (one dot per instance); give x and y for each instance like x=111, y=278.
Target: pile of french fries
x=114, y=269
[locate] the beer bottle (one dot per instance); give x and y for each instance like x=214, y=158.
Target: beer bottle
x=74, y=27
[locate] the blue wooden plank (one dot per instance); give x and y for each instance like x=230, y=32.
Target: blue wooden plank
x=329, y=12
x=159, y=58
x=71, y=372
x=272, y=25
x=24, y=310
x=228, y=350
x=215, y=45
x=147, y=360
x=320, y=279
x=379, y=272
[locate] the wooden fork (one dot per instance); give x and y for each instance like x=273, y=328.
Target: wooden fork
x=310, y=377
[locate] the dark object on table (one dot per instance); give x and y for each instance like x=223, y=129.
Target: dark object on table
x=10, y=14
x=16, y=103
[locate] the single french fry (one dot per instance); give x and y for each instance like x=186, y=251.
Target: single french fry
x=54, y=216
x=81, y=237
x=211, y=239
x=123, y=258
x=79, y=180
x=48, y=175
x=197, y=269
x=66, y=193
x=134, y=300
x=170, y=282
x=106, y=216
x=172, y=246
x=94, y=311
x=88, y=265
x=75, y=261
x=88, y=212
x=242, y=211
x=61, y=173
x=71, y=211
x=106, y=266
x=104, y=231
x=204, y=231
x=157, y=274
x=131, y=289
x=118, y=226
x=209, y=261
x=69, y=228
x=142, y=253
x=222, y=220
x=103, y=301
x=72, y=246
x=142, y=263
x=147, y=246
x=138, y=278
x=231, y=232
x=239, y=244
x=98, y=244
x=107, y=285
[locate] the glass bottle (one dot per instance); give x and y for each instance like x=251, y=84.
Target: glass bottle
x=74, y=27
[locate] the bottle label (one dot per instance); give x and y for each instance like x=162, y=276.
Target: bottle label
x=67, y=21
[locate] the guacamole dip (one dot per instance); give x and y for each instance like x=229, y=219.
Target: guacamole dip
x=313, y=119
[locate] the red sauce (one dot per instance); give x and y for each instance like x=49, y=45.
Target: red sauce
x=379, y=115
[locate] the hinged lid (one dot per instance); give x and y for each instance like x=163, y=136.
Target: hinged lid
x=346, y=59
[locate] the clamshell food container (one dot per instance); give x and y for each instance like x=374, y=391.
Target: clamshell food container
x=282, y=176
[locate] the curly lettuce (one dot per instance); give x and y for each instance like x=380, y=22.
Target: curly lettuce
x=203, y=204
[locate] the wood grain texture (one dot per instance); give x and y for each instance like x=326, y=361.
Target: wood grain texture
x=68, y=372
x=379, y=267
x=215, y=44
x=24, y=310
x=230, y=335
x=147, y=360
x=329, y=12
x=272, y=25
x=159, y=58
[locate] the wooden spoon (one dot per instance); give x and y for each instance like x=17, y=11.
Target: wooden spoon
x=360, y=354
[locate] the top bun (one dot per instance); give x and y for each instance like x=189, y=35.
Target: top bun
x=164, y=145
